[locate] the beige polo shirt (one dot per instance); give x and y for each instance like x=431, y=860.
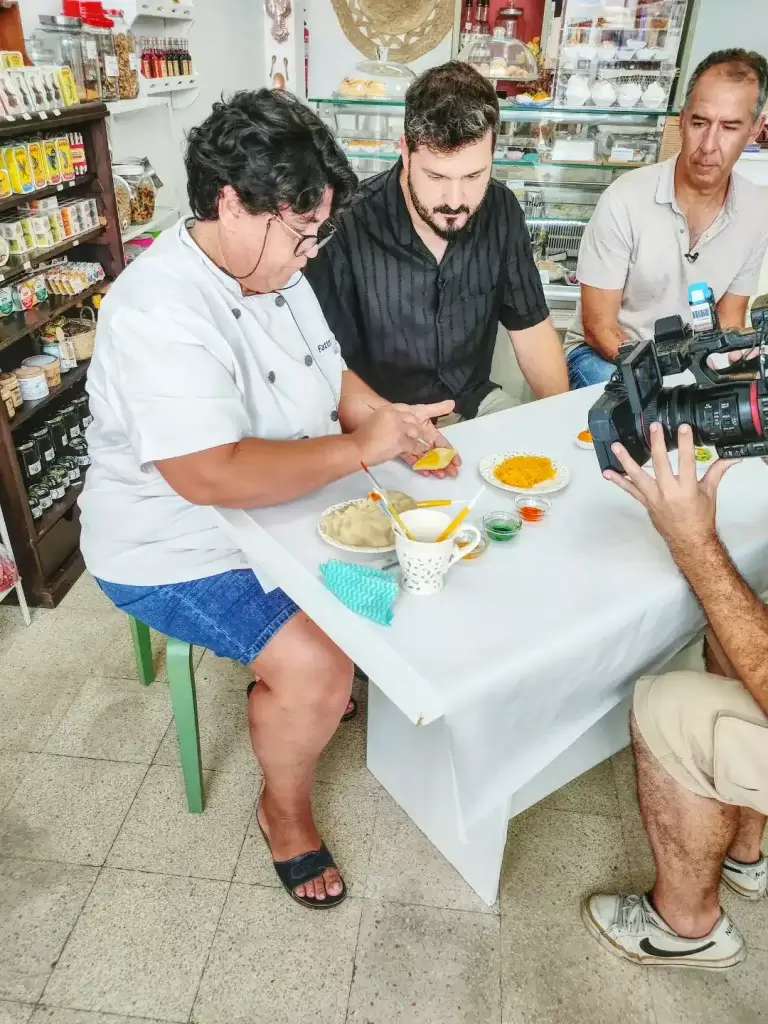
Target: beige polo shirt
x=638, y=237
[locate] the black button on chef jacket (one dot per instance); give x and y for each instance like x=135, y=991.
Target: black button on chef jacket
x=414, y=329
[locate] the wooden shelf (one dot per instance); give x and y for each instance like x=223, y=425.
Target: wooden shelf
x=50, y=517
x=16, y=273
x=13, y=125
x=10, y=202
x=19, y=325
x=68, y=380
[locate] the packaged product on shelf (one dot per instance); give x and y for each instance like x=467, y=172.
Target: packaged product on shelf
x=16, y=159
x=9, y=384
x=41, y=98
x=56, y=224
x=20, y=77
x=143, y=183
x=46, y=204
x=52, y=169
x=37, y=163
x=18, y=232
x=68, y=86
x=45, y=446
x=67, y=223
x=5, y=181
x=70, y=463
x=5, y=252
x=123, y=199
x=127, y=57
x=11, y=59
x=64, y=351
x=84, y=411
x=57, y=482
x=11, y=98
x=65, y=158
x=59, y=433
x=44, y=237
x=50, y=366
x=53, y=88
x=80, y=451
x=32, y=383
x=29, y=293
x=28, y=454
x=77, y=148
x=94, y=208
x=6, y=301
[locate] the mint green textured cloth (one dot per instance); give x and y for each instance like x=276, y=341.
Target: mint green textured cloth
x=367, y=591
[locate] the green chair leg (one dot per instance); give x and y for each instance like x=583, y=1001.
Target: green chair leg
x=142, y=650
x=181, y=680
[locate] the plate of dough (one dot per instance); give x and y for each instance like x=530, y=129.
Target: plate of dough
x=360, y=525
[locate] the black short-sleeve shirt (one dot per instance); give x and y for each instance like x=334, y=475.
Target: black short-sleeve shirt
x=414, y=329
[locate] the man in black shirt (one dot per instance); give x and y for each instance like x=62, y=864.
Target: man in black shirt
x=432, y=255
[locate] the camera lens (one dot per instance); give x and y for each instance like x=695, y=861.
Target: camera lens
x=724, y=414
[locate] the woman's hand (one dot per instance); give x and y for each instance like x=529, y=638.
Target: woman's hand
x=393, y=430
x=432, y=436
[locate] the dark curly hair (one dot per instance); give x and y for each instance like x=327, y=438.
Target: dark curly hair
x=449, y=107
x=273, y=151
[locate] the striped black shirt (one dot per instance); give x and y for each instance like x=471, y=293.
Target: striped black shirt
x=414, y=329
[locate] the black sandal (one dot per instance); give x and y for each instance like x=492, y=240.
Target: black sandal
x=306, y=868
x=349, y=715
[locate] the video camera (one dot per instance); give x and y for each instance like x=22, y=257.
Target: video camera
x=726, y=408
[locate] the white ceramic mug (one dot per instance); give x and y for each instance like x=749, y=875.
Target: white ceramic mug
x=424, y=564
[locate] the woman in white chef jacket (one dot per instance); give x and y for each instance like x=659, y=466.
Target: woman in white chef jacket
x=216, y=381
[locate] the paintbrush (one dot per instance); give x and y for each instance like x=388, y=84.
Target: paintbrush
x=459, y=518
x=384, y=504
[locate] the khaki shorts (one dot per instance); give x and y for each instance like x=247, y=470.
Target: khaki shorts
x=708, y=734
x=496, y=401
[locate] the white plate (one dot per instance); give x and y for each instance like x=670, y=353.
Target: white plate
x=348, y=547
x=490, y=462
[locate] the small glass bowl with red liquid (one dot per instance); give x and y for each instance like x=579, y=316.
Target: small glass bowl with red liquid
x=532, y=509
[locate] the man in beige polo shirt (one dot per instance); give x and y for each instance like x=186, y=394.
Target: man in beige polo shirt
x=700, y=742
x=660, y=228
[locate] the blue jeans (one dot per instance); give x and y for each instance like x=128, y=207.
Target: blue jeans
x=586, y=367
x=229, y=614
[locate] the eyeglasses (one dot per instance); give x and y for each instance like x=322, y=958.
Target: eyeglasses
x=306, y=243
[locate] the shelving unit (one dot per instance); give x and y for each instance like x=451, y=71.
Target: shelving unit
x=47, y=551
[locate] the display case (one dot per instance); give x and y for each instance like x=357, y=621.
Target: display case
x=557, y=161
x=623, y=54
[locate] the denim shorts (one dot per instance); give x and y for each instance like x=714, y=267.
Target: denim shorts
x=229, y=614
x=586, y=367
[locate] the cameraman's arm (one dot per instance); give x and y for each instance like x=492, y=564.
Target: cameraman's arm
x=599, y=311
x=732, y=311
x=737, y=616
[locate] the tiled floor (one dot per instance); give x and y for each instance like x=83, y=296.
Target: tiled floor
x=117, y=906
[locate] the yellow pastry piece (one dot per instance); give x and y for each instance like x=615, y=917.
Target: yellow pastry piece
x=435, y=458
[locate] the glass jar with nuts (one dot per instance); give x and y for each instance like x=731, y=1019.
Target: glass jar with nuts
x=140, y=179
x=127, y=56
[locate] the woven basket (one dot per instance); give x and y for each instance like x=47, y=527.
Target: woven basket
x=84, y=340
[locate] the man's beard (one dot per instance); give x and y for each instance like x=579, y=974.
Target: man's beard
x=446, y=233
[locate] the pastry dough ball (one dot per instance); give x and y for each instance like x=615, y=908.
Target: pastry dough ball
x=364, y=525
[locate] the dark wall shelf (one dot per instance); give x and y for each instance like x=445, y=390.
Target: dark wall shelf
x=18, y=273
x=68, y=380
x=47, y=550
x=14, y=328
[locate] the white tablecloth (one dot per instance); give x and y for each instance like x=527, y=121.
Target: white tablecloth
x=531, y=644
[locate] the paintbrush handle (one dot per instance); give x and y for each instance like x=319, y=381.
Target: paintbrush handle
x=453, y=524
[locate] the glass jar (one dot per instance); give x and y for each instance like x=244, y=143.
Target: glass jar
x=41, y=496
x=30, y=460
x=57, y=482
x=80, y=451
x=138, y=176
x=98, y=33
x=71, y=421
x=60, y=434
x=84, y=412
x=378, y=79
x=70, y=463
x=45, y=446
x=127, y=57
x=506, y=22
x=64, y=38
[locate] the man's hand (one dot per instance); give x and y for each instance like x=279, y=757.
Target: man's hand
x=682, y=507
x=429, y=433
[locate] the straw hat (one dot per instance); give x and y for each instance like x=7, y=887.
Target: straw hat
x=407, y=28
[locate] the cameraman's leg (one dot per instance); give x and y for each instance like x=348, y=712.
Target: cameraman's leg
x=690, y=836
x=586, y=367
x=746, y=845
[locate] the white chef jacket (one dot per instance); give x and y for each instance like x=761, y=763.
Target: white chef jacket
x=184, y=362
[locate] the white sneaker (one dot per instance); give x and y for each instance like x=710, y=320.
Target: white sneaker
x=748, y=880
x=629, y=927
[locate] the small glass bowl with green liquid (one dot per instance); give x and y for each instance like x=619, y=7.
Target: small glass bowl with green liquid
x=502, y=526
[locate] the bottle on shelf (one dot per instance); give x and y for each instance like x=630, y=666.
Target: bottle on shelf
x=467, y=24
x=482, y=26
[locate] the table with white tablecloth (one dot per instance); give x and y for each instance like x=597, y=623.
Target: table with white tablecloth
x=516, y=678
